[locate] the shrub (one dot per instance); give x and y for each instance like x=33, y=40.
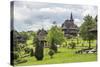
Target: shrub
x=54, y=48
x=20, y=61
x=51, y=53
x=39, y=51
x=72, y=45
x=27, y=50
x=16, y=55
x=32, y=52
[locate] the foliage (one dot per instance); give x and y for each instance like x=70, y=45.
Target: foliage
x=88, y=24
x=72, y=45
x=32, y=53
x=16, y=55
x=65, y=56
x=38, y=49
x=85, y=28
x=20, y=61
x=23, y=33
x=27, y=50
x=55, y=36
x=18, y=46
x=51, y=53
x=53, y=46
x=31, y=34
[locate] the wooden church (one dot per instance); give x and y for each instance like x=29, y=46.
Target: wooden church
x=69, y=28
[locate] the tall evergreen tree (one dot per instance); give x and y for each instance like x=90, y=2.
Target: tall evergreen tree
x=85, y=28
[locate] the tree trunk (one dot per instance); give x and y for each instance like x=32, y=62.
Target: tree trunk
x=77, y=41
x=89, y=43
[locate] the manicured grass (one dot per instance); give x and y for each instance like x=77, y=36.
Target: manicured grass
x=64, y=55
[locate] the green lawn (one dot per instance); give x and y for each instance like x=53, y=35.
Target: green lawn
x=64, y=55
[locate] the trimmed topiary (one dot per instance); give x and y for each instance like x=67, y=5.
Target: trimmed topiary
x=54, y=48
x=39, y=49
x=51, y=53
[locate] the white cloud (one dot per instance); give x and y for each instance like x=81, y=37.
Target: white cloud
x=34, y=16
x=78, y=22
x=21, y=13
x=46, y=24
x=53, y=10
x=91, y=10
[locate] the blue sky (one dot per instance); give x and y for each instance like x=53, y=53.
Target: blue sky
x=36, y=15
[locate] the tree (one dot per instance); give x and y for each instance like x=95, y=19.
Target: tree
x=38, y=49
x=17, y=47
x=32, y=52
x=88, y=24
x=55, y=37
x=24, y=36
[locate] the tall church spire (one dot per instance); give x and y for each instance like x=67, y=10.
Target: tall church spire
x=71, y=17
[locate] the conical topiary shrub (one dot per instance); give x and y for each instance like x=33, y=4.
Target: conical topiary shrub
x=39, y=50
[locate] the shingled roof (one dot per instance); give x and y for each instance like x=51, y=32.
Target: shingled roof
x=41, y=34
x=69, y=25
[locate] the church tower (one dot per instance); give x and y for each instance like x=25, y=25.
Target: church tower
x=70, y=29
x=71, y=18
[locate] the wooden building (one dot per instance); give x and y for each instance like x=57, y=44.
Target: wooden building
x=41, y=35
x=69, y=28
